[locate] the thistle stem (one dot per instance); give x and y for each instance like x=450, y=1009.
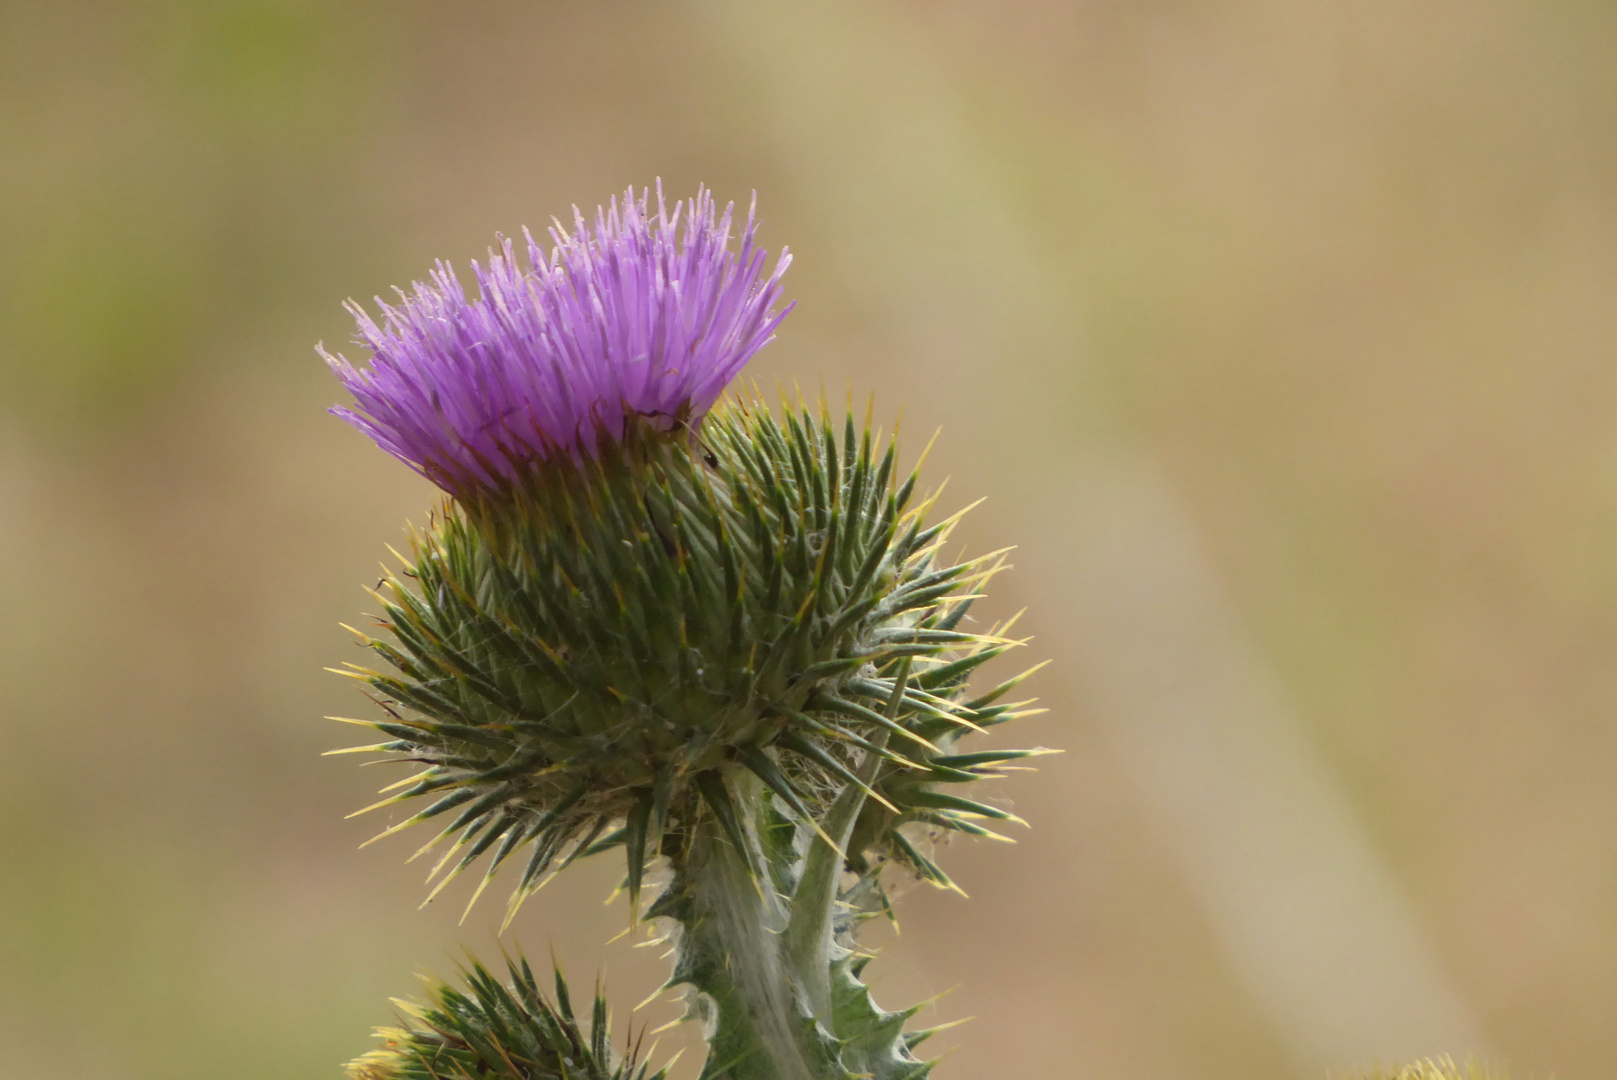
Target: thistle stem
x=761, y=1025
x=759, y=936
x=808, y=939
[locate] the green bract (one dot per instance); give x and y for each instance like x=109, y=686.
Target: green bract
x=582, y=659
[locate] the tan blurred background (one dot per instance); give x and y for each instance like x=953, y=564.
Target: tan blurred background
x=1278, y=333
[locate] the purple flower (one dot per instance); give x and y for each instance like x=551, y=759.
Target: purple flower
x=635, y=314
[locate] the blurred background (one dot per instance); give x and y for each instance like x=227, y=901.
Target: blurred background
x=1278, y=333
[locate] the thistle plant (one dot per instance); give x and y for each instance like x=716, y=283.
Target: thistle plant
x=718, y=638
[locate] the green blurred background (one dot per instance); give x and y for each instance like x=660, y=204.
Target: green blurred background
x=1279, y=333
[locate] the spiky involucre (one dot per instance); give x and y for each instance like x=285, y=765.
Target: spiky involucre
x=576, y=662
x=497, y=1031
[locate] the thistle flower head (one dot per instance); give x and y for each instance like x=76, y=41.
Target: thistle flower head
x=582, y=656
x=741, y=653
x=642, y=313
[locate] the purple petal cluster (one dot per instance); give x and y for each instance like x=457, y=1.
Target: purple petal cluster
x=637, y=313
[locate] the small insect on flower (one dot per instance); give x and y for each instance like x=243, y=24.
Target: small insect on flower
x=639, y=313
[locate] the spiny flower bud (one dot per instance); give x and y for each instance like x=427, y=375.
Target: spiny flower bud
x=576, y=661
x=499, y=1032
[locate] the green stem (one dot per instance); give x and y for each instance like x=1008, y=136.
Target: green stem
x=761, y=1028
x=808, y=941
x=782, y=997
